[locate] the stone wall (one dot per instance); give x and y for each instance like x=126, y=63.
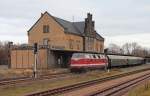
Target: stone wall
x=24, y=59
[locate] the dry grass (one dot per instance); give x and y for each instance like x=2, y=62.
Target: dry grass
x=143, y=90
x=12, y=73
x=44, y=85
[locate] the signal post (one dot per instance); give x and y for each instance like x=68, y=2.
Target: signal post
x=35, y=60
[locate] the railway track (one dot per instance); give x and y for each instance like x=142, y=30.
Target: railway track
x=120, y=89
x=83, y=84
x=14, y=81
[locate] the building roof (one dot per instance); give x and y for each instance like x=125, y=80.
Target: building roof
x=69, y=27
x=76, y=28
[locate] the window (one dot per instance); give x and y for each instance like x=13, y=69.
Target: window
x=78, y=55
x=78, y=44
x=99, y=56
x=90, y=56
x=90, y=43
x=71, y=43
x=94, y=56
x=101, y=48
x=102, y=56
x=97, y=47
x=45, y=41
x=45, y=28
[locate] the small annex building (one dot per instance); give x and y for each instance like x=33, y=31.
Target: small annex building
x=58, y=39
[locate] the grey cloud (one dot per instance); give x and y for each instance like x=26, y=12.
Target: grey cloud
x=112, y=17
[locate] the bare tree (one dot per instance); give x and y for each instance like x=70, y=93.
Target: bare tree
x=135, y=49
x=126, y=48
x=115, y=49
x=129, y=49
x=4, y=52
x=142, y=52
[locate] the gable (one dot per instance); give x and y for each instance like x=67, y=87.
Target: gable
x=43, y=18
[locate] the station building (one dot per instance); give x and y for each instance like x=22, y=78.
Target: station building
x=58, y=39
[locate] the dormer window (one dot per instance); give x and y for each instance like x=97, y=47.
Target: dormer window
x=45, y=28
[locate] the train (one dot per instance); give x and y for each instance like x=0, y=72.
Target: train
x=83, y=61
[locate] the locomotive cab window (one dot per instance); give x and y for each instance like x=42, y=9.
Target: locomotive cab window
x=87, y=56
x=90, y=56
x=99, y=56
x=94, y=56
x=78, y=55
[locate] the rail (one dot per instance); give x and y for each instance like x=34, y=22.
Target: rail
x=120, y=89
x=12, y=81
x=82, y=84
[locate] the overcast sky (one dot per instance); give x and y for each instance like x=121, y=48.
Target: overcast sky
x=118, y=21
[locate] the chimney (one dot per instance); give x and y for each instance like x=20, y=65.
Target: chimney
x=89, y=16
x=89, y=26
x=93, y=23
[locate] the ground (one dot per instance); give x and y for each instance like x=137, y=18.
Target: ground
x=142, y=90
x=50, y=84
x=14, y=73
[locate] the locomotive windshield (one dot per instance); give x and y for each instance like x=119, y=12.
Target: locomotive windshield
x=78, y=55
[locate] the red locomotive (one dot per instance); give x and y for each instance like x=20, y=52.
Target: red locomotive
x=87, y=60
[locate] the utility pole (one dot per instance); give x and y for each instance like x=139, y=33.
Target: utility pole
x=35, y=60
x=9, y=53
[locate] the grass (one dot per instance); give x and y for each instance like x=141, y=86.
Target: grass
x=10, y=73
x=142, y=90
x=14, y=73
x=44, y=85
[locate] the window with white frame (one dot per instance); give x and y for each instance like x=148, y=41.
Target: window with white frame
x=45, y=41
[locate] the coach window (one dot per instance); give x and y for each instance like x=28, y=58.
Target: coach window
x=45, y=28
